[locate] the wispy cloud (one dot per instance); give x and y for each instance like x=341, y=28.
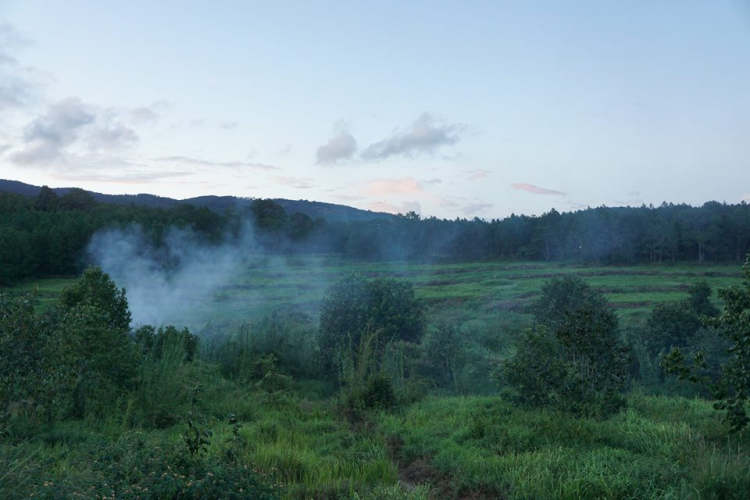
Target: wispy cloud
x=229, y=125
x=342, y=146
x=46, y=137
x=71, y=130
x=536, y=189
x=111, y=135
x=150, y=113
x=382, y=187
x=475, y=208
x=348, y=197
x=199, y=162
x=478, y=174
x=124, y=178
x=19, y=84
x=295, y=182
x=425, y=136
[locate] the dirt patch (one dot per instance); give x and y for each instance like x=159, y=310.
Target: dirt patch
x=420, y=471
x=417, y=472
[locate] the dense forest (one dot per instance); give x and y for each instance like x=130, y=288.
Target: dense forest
x=46, y=235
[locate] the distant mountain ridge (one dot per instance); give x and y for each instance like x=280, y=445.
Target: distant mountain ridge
x=219, y=204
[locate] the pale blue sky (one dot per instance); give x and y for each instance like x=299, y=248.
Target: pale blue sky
x=450, y=108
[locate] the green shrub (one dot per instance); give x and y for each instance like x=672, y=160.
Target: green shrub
x=152, y=341
x=354, y=306
x=572, y=359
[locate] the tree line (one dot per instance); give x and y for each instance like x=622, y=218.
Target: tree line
x=46, y=235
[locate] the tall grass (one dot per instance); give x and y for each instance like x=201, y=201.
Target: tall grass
x=485, y=445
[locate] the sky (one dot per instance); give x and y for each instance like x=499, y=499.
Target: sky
x=449, y=109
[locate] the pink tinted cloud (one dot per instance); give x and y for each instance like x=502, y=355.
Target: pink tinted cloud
x=404, y=185
x=478, y=174
x=536, y=189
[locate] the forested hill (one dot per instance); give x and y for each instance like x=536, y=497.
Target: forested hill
x=46, y=234
x=219, y=204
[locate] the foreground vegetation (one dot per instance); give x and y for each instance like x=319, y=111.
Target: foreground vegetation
x=449, y=447
x=282, y=409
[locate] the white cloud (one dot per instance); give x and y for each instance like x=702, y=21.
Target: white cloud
x=295, y=182
x=199, y=162
x=46, y=137
x=340, y=147
x=19, y=84
x=425, y=136
x=475, y=208
x=151, y=113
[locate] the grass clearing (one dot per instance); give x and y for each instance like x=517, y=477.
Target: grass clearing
x=487, y=289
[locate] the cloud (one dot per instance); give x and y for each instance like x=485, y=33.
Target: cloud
x=198, y=162
x=229, y=125
x=425, y=136
x=478, y=174
x=407, y=206
x=18, y=84
x=475, y=208
x=430, y=182
x=340, y=147
x=112, y=136
x=348, y=197
x=536, y=189
x=46, y=137
x=447, y=203
x=125, y=178
x=151, y=113
x=72, y=126
x=295, y=182
x=404, y=185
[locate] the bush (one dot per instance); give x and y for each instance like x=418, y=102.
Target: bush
x=96, y=289
x=153, y=341
x=572, y=359
x=733, y=385
x=354, y=306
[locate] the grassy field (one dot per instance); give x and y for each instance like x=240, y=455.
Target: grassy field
x=482, y=288
x=448, y=447
x=299, y=443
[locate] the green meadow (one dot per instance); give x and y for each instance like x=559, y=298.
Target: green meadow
x=283, y=434
x=299, y=283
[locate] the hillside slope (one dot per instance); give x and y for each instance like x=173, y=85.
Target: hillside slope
x=219, y=204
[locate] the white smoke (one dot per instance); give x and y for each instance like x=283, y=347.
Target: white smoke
x=177, y=283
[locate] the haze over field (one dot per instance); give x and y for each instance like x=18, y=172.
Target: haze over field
x=463, y=109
